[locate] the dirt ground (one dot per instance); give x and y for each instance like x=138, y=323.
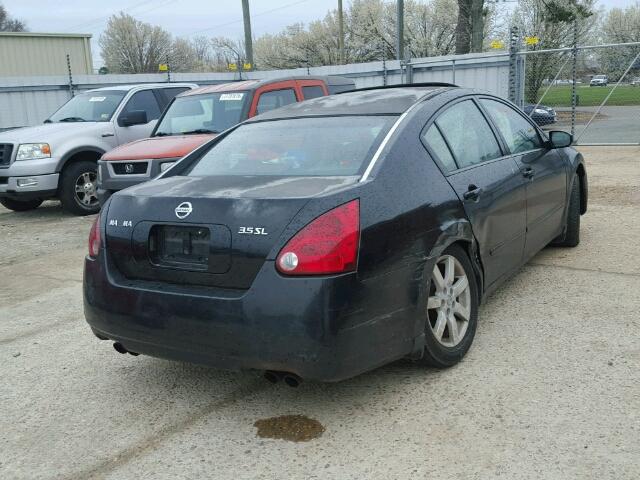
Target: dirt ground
x=549, y=390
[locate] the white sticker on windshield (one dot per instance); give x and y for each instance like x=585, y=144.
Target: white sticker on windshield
x=97, y=99
x=231, y=96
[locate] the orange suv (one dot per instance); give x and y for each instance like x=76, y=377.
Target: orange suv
x=196, y=116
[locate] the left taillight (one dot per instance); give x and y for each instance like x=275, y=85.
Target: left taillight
x=94, y=238
x=327, y=245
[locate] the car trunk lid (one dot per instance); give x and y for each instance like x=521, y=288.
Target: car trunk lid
x=210, y=231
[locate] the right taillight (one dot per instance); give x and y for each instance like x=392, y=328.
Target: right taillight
x=94, y=238
x=327, y=245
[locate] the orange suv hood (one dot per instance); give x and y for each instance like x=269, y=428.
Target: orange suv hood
x=173, y=146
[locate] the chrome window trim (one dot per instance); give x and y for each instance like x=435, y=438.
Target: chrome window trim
x=385, y=141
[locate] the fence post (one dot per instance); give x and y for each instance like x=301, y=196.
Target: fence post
x=513, y=63
x=574, y=70
x=70, y=76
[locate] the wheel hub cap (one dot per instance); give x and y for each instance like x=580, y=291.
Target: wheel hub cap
x=449, y=303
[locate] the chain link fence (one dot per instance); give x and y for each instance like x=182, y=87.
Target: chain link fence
x=591, y=91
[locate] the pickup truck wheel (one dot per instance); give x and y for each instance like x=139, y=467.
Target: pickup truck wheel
x=78, y=189
x=20, y=205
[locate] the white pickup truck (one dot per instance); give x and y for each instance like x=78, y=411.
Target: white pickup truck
x=59, y=159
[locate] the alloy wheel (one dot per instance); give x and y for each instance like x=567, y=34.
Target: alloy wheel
x=449, y=304
x=85, y=189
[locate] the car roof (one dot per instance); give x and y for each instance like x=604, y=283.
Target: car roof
x=377, y=101
x=144, y=86
x=250, y=85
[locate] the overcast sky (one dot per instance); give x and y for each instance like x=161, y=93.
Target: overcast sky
x=180, y=17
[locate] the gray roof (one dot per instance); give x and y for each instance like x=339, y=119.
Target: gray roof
x=144, y=85
x=382, y=101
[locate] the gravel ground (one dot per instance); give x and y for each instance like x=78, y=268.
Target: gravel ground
x=550, y=389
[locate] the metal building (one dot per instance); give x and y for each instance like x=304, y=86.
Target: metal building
x=34, y=54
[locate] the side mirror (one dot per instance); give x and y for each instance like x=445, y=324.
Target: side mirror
x=134, y=117
x=560, y=139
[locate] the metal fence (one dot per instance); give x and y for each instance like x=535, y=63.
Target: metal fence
x=593, y=91
x=26, y=101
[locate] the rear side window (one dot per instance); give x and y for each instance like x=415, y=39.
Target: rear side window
x=144, y=100
x=324, y=146
x=433, y=139
x=169, y=93
x=519, y=134
x=312, y=92
x=468, y=134
x=275, y=99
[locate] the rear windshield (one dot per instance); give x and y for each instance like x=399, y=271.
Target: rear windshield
x=321, y=146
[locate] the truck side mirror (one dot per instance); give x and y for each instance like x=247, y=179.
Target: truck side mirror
x=134, y=117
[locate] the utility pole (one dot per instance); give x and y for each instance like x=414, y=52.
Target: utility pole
x=477, y=25
x=400, y=28
x=248, y=41
x=341, y=58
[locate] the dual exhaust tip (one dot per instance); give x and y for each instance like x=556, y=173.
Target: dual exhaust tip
x=120, y=349
x=272, y=376
x=290, y=379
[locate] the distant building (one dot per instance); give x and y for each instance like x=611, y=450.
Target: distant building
x=29, y=54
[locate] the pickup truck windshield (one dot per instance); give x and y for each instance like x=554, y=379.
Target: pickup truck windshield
x=89, y=107
x=207, y=113
x=321, y=146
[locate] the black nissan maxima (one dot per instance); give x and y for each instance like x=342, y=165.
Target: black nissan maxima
x=329, y=237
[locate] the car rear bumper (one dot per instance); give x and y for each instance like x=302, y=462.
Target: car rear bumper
x=313, y=327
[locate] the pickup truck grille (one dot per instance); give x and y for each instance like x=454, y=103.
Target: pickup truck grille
x=6, y=149
x=130, y=168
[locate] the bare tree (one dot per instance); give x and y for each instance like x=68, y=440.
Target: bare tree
x=7, y=24
x=131, y=46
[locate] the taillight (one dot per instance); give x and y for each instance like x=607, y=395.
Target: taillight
x=94, y=238
x=329, y=244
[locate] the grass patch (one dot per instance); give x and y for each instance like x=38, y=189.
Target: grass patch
x=591, y=96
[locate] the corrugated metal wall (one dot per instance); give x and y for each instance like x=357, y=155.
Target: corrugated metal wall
x=24, y=54
x=30, y=100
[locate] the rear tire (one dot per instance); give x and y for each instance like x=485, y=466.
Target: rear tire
x=451, y=309
x=78, y=189
x=20, y=205
x=571, y=236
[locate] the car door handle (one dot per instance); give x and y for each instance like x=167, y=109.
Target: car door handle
x=528, y=172
x=108, y=134
x=473, y=193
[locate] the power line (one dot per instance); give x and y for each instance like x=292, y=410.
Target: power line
x=252, y=16
x=99, y=20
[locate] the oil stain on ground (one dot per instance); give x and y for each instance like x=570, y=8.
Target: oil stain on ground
x=294, y=428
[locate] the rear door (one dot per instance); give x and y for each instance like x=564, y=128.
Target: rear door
x=543, y=170
x=489, y=184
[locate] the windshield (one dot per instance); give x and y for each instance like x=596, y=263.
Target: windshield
x=210, y=113
x=89, y=107
x=600, y=77
x=321, y=146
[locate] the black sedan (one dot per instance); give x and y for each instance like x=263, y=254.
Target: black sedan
x=541, y=114
x=329, y=237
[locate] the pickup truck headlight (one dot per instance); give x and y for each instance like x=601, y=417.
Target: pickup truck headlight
x=31, y=151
